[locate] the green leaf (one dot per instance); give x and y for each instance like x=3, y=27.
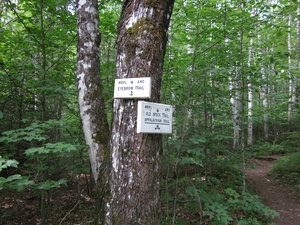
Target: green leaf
x=50, y=184
x=4, y=163
x=197, y=139
x=51, y=147
x=14, y=177
x=33, y=151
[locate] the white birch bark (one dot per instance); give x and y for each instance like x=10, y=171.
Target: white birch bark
x=234, y=100
x=263, y=91
x=250, y=98
x=250, y=91
x=292, y=78
x=91, y=103
x=265, y=105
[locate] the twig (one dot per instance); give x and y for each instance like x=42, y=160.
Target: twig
x=69, y=212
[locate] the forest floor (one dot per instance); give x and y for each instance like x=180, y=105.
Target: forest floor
x=67, y=205
x=72, y=204
x=274, y=194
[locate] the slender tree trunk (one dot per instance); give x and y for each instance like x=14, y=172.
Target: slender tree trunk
x=91, y=102
x=234, y=87
x=250, y=91
x=264, y=90
x=265, y=104
x=44, y=60
x=136, y=158
x=291, y=77
x=297, y=87
x=43, y=201
x=242, y=111
x=298, y=34
x=250, y=98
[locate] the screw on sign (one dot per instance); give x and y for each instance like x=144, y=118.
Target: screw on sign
x=154, y=118
x=133, y=88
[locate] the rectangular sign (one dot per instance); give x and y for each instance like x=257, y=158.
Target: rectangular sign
x=154, y=118
x=133, y=88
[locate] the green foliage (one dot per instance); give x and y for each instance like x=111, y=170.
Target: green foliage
x=288, y=142
x=253, y=208
x=44, y=163
x=109, y=17
x=57, y=147
x=15, y=181
x=50, y=184
x=287, y=168
x=232, y=206
x=34, y=132
x=267, y=148
x=194, y=152
x=217, y=196
x=4, y=163
x=291, y=141
x=223, y=206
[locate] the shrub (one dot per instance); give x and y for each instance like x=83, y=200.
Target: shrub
x=287, y=168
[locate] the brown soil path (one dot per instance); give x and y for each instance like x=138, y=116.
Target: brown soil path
x=274, y=194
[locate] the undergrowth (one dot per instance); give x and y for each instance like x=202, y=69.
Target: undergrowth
x=207, y=188
x=289, y=142
x=199, y=200
x=287, y=169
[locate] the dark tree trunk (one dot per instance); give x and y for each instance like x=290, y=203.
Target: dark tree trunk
x=136, y=159
x=91, y=102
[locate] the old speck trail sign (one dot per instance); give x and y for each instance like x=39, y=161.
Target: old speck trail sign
x=154, y=118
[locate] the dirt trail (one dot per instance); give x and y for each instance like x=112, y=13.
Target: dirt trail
x=274, y=194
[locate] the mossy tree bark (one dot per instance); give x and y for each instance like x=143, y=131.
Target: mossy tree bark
x=135, y=180
x=91, y=102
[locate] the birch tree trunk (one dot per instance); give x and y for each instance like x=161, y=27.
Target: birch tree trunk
x=250, y=98
x=235, y=99
x=291, y=77
x=264, y=90
x=91, y=102
x=136, y=158
x=297, y=87
x=250, y=91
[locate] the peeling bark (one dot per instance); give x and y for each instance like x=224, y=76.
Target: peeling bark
x=91, y=102
x=135, y=180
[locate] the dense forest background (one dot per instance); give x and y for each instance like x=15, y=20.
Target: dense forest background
x=231, y=73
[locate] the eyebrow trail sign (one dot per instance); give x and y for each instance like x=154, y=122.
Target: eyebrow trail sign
x=133, y=88
x=154, y=118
